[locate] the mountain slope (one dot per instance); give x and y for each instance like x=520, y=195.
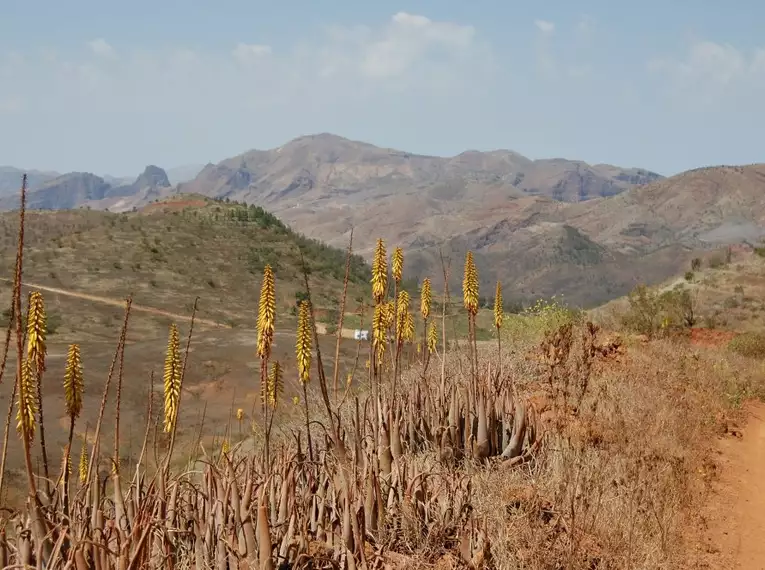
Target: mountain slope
x=727, y=293
x=322, y=166
x=549, y=226
x=77, y=189
x=592, y=251
x=646, y=234
x=10, y=179
x=701, y=207
x=546, y=258
x=326, y=185
x=172, y=251
x=63, y=192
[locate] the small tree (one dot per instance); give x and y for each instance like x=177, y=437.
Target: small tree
x=678, y=306
x=643, y=316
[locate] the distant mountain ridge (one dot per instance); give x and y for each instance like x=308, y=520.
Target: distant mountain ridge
x=324, y=164
x=10, y=179
x=542, y=227
x=77, y=189
x=329, y=164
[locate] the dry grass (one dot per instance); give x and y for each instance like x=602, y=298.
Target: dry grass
x=614, y=488
x=566, y=450
x=727, y=295
x=166, y=257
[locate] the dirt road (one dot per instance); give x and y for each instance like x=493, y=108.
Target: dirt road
x=118, y=303
x=321, y=328
x=736, y=518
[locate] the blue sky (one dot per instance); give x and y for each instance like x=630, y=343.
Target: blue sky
x=108, y=88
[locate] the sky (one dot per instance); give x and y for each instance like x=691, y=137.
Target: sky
x=109, y=87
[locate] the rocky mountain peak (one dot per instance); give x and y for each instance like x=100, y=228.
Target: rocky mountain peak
x=152, y=176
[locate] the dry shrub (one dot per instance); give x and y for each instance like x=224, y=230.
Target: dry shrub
x=750, y=344
x=576, y=454
x=616, y=481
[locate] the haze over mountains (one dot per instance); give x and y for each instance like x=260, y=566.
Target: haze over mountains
x=36, y=179
x=10, y=178
x=590, y=232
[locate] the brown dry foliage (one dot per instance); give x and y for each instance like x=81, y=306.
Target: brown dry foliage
x=576, y=453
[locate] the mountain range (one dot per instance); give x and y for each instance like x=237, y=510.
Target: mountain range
x=551, y=226
x=10, y=178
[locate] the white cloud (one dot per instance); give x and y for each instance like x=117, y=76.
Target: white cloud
x=409, y=39
x=101, y=48
x=564, y=56
x=409, y=81
x=718, y=63
x=710, y=71
x=547, y=66
x=48, y=55
x=544, y=26
x=408, y=53
x=249, y=53
x=408, y=44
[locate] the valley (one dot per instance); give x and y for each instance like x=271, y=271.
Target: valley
x=693, y=337
x=543, y=227
x=347, y=286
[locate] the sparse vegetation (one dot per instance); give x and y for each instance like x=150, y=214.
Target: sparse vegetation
x=544, y=448
x=210, y=253
x=652, y=313
x=750, y=344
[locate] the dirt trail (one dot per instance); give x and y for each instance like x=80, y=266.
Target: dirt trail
x=321, y=328
x=736, y=518
x=119, y=303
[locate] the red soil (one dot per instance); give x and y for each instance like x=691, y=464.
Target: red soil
x=174, y=205
x=710, y=337
x=734, y=519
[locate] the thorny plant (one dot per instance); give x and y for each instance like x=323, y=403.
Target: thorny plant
x=389, y=479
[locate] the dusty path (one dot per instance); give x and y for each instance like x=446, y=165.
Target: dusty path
x=736, y=518
x=321, y=328
x=119, y=303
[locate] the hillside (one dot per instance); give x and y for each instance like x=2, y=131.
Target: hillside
x=597, y=250
x=701, y=207
x=77, y=189
x=607, y=419
x=10, y=178
x=519, y=216
x=170, y=252
x=727, y=293
x=309, y=170
x=313, y=168
x=551, y=259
